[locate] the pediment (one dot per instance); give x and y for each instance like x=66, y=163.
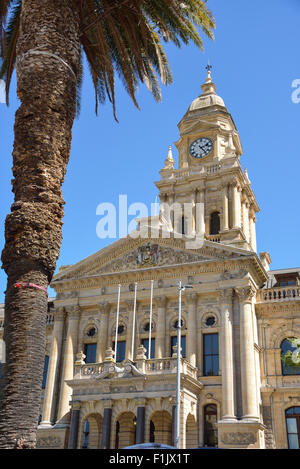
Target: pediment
x=196, y=126
x=138, y=254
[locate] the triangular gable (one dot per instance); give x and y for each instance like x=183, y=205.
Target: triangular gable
x=129, y=254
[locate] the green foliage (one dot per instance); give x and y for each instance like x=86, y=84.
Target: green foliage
x=120, y=36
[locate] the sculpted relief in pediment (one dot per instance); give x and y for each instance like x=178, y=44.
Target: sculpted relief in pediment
x=150, y=255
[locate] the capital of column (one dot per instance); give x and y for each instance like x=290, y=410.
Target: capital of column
x=104, y=307
x=191, y=298
x=246, y=294
x=59, y=314
x=225, y=295
x=76, y=405
x=161, y=301
x=73, y=312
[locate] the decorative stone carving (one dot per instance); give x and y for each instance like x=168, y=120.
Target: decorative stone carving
x=230, y=275
x=246, y=294
x=151, y=255
x=80, y=358
x=238, y=438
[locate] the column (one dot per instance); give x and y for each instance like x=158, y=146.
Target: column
x=106, y=428
x=170, y=199
x=103, y=334
x=74, y=426
x=68, y=365
x=160, y=350
x=200, y=212
x=192, y=328
x=252, y=229
x=140, y=425
x=57, y=338
x=227, y=357
x=236, y=206
x=225, y=207
x=248, y=374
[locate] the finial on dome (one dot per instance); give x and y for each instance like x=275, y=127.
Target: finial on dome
x=169, y=161
x=208, y=87
x=208, y=68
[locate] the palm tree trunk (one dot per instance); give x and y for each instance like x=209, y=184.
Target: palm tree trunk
x=48, y=60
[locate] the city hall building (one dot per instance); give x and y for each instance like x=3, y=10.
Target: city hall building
x=111, y=355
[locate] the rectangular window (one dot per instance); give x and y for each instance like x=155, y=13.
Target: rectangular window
x=90, y=353
x=145, y=343
x=183, y=345
x=46, y=363
x=210, y=354
x=121, y=347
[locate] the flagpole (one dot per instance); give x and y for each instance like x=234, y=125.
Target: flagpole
x=133, y=322
x=150, y=327
x=117, y=323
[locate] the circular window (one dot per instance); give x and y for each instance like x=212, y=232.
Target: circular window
x=147, y=327
x=176, y=324
x=91, y=332
x=210, y=321
x=121, y=329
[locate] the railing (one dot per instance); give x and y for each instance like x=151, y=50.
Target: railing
x=183, y=173
x=92, y=369
x=214, y=238
x=279, y=294
x=147, y=367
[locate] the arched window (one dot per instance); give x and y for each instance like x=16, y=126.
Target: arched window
x=117, y=434
x=86, y=434
x=152, y=432
x=214, y=225
x=285, y=368
x=210, y=426
x=292, y=417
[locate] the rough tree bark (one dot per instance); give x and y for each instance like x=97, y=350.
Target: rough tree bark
x=46, y=87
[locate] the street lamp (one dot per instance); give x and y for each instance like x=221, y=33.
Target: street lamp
x=181, y=288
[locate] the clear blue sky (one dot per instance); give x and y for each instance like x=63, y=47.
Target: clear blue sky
x=255, y=59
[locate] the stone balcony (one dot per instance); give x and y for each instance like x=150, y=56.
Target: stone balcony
x=157, y=366
x=279, y=294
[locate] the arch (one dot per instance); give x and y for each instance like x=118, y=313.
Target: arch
x=161, y=427
x=214, y=223
x=210, y=416
x=282, y=333
x=191, y=432
x=125, y=430
x=91, y=431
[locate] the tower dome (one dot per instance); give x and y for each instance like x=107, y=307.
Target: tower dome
x=209, y=96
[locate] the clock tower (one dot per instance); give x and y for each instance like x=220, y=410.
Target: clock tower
x=209, y=194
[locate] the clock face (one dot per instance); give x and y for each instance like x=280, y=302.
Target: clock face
x=201, y=147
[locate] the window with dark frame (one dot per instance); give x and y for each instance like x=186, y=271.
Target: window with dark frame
x=214, y=225
x=121, y=348
x=183, y=345
x=210, y=426
x=210, y=354
x=292, y=417
x=45, y=371
x=90, y=352
x=145, y=343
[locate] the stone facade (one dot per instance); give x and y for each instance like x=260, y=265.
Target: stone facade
x=234, y=393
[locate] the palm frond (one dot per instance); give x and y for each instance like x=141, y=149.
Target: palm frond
x=8, y=55
x=120, y=36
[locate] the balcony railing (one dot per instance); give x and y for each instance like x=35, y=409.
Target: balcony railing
x=279, y=294
x=157, y=366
